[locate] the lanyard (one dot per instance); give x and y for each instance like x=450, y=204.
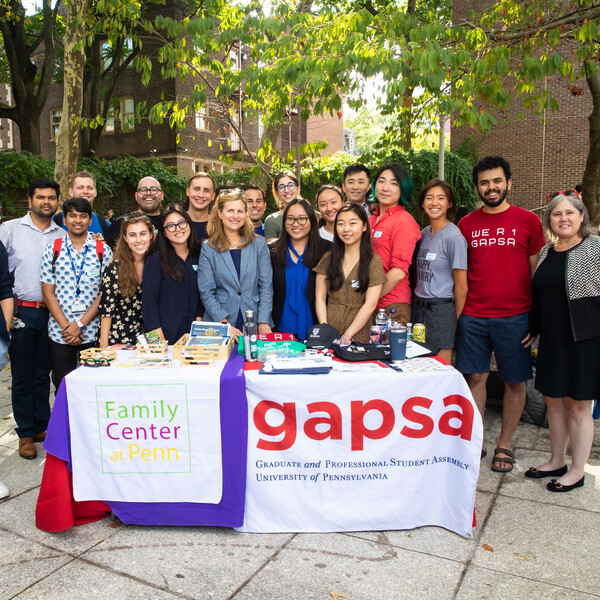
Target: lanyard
x=77, y=276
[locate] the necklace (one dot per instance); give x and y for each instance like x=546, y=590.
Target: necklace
x=235, y=245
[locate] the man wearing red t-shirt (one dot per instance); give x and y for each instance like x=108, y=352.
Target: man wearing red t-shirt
x=503, y=245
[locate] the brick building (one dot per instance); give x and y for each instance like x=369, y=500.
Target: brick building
x=207, y=133
x=546, y=154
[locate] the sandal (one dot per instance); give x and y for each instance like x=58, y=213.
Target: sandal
x=509, y=459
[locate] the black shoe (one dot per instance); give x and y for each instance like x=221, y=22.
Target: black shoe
x=554, y=486
x=534, y=473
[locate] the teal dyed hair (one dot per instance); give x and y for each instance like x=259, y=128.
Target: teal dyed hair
x=407, y=187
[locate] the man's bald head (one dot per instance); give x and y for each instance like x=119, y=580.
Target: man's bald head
x=149, y=196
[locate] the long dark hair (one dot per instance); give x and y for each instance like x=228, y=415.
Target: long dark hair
x=169, y=260
x=315, y=247
x=123, y=256
x=324, y=188
x=335, y=271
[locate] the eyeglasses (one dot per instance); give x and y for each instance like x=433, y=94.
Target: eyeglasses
x=149, y=190
x=282, y=187
x=172, y=227
x=563, y=193
x=299, y=220
x=88, y=361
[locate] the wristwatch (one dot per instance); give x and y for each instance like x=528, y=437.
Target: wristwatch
x=80, y=325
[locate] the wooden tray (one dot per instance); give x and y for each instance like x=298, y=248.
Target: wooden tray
x=152, y=350
x=98, y=353
x=193, y=356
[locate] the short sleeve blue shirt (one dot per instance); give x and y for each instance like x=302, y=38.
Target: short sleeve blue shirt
x=64, y=278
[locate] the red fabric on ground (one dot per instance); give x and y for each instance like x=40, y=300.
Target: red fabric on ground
x=56, y=509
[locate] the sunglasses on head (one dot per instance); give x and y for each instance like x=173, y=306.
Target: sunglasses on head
x=563, y=193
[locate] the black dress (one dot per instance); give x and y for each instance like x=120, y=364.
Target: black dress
x=126, y=313
x=564, y=367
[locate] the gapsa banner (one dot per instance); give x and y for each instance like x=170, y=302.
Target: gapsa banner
x=147, y=442
x=349, y=452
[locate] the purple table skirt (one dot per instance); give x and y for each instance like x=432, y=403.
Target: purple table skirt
x=234, y=437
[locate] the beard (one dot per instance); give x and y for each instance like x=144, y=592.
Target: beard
x=493, y=203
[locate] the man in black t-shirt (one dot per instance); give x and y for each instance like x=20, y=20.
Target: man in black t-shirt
x=149, y=197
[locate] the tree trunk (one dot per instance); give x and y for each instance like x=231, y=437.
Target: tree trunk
x=67, y=138
x=406, y=111
x=29, y=129
x=29, y=84
x=264, y=179
x=591, y=174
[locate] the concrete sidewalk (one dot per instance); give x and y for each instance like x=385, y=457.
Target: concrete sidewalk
x=529, y=543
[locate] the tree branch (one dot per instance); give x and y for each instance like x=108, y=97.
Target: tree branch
x=573, y=18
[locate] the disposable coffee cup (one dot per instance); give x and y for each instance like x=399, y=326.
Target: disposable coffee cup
x=398, y=344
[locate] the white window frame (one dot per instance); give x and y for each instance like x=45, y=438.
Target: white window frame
x=201, y=119
x=234, y=57
x=54, y=122
x=234, y=138
x=127, y=116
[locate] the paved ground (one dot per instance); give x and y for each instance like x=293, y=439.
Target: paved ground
x=529, y=544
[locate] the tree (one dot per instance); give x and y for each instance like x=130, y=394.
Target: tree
x=67, y=137
x=516, y=47
x=23, y=37
x=213, y=29
x=471, y=70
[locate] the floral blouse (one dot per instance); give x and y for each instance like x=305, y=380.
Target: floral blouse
x=126, y=313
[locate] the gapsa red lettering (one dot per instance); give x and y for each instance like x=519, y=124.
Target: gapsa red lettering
x=414, y=411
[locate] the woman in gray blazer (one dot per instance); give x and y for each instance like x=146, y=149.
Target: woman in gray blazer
x=234, y=272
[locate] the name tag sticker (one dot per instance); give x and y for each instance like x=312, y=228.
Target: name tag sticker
x=78, y=308
x=355, y=283
x=430, y=256
x=377, y=234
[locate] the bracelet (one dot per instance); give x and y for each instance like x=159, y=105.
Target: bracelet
x=80, y=325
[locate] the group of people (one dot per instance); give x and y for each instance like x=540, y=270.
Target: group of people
x=214, y=259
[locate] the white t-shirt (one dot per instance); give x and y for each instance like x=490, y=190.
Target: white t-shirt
x=325, y=234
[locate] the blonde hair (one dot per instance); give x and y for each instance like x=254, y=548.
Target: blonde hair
x=217, y=238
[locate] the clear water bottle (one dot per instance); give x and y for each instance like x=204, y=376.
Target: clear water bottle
x=409, y=332
x=250, y=337
x=382, y=321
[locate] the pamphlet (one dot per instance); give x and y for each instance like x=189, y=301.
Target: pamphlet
x=210, y=329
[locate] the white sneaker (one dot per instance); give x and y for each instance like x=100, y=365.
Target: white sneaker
x=3, y=491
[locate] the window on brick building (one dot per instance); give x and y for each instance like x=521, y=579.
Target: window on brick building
x=204, y=168
x=234, y=57
x=201, y=118
x=55, y=116
x=261, y=127
x=109, y=123
x=127, y=114
x=108, y=52
x=234, y=138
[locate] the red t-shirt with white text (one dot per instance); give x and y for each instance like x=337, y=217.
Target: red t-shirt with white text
x=499, y=247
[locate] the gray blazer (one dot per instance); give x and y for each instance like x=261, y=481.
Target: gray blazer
x=223, y=293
